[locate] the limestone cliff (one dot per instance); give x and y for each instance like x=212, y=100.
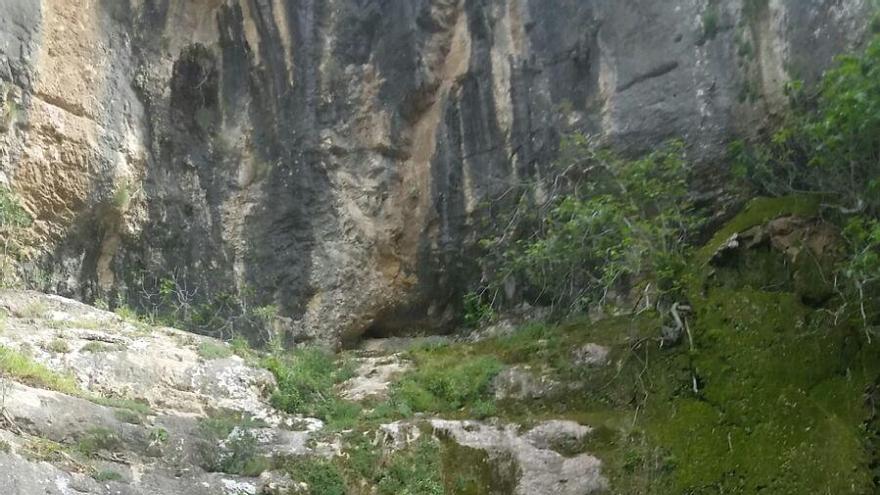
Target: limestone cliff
x=331, y=156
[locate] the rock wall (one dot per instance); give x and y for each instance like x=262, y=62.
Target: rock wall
x=331, y=156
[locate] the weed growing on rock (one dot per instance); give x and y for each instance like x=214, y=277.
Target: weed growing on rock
x=97, y=440
x=445, y=381
x=35, y=310
x=230, y=445
x=58, y=346
x=210, y=350
x=24, y=369
x=323, y=477
x=105, y=475
x=97, y=347
x=306, y=379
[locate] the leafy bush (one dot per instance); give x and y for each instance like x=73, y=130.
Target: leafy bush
x=613, y=222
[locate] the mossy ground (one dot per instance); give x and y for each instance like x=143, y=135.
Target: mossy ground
x=771, y=399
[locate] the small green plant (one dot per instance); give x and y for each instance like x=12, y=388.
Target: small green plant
x=128, y=404
x=97, y=347
x=416, y=469
x=446, y=382
x=97, y=440
x=12, y=215
x=231, y=446
x=24, y=369
x=34, y=310
x=43, y=450
x=58, y=346
x=158, y=437
x=476, y=310
x=128, y=314
x=5, y=447
x=105, y=475
x=322, y=477
x=209, y=350
x=711, y=23
x=306, y=378
x=128, y=416
x=122, y=197
x=242, y=348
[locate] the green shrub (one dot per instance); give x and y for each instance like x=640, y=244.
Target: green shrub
x=476, y=310
x=446, y=382
x=711, y=21
x=415, y=470
x=107, y=475
x=12, y=215
x=158, y=436
x=306, y=378
x=230, y=445
x=619, y=222
x=96, y=440
x=322, y=477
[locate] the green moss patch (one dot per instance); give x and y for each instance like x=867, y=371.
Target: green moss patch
x=758, y=212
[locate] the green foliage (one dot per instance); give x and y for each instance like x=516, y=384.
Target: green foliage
x=127, y=404
x=107, y=475
x=476, y=310
x=322, y=477
x=58, y=346
x=618, y=222
x=230, y=445
x=12, y=215
x=306, y=378
x=97, y=347
x=24, y=369
x=97, y=440
x=35, y=309
x=415, y=470
x=128, y=416
x=43, y=450
x=830, y=142
x=158, y=436
x=446, y=382
x=122, y=197
x=209, y=350
x=711, y=23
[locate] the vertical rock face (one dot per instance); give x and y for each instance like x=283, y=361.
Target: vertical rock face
x=331, y=156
